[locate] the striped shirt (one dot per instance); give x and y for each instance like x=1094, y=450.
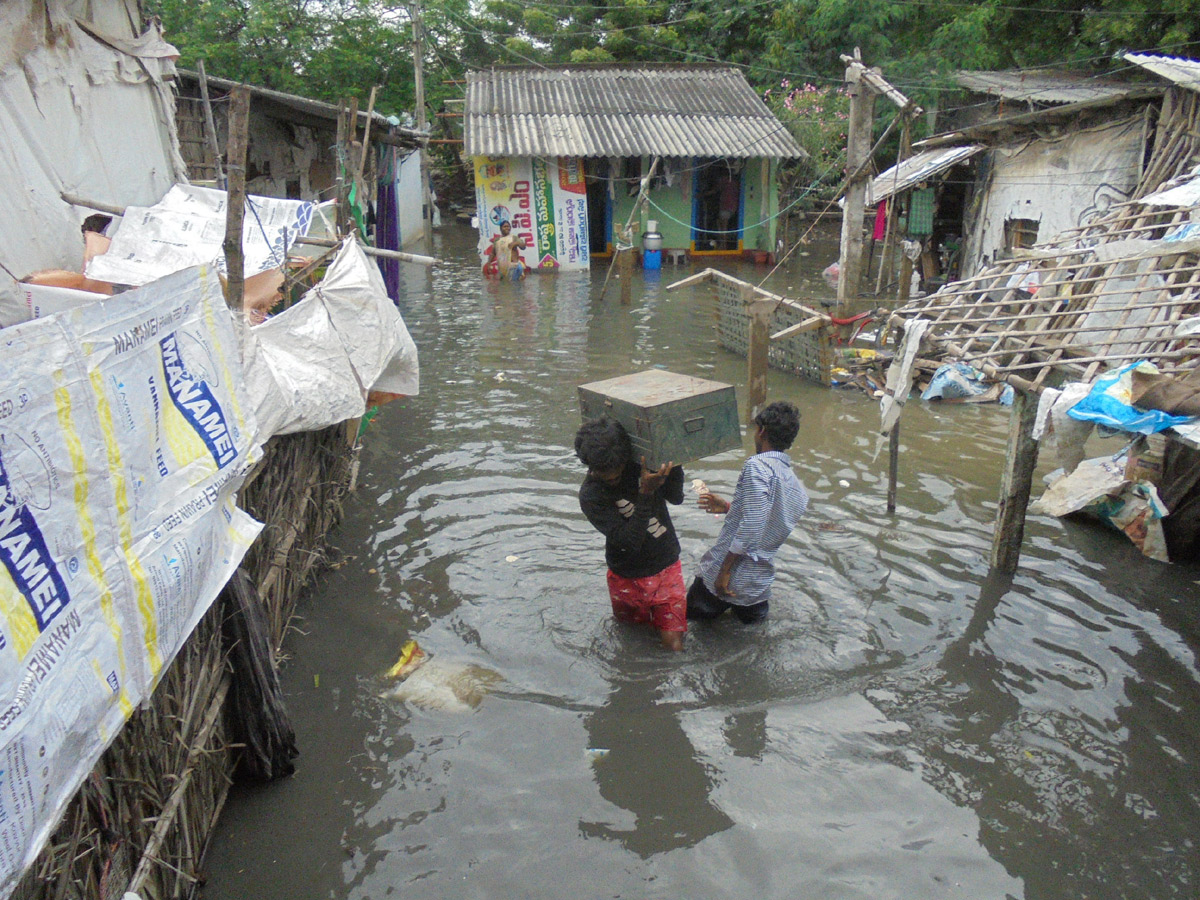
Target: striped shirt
x=767, y=503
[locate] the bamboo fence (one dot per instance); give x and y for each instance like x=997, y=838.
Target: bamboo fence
x=142, y=820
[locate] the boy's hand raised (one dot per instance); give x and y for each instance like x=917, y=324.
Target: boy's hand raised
x=652, y=480
x=712, y=503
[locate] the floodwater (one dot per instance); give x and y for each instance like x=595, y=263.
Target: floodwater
x=904, y=726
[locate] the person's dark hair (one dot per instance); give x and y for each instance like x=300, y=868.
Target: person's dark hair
x=603, y=444
x=781, y=421
x=95, y=222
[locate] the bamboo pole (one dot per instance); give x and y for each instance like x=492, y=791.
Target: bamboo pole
x=1068, y=312
x=210, y=126
x=366, y=141
x=955, y=295
x=893, y=466
x=374, y=251
x=1016, y=485
x=235, y=208
x=1166, y=355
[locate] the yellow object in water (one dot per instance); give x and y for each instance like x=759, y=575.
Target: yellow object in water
x=410, y=654
x=434, y=684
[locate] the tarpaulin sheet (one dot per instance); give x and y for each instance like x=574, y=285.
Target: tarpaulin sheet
x=81, y=117
x=1110, y=402
x=314, y=364
x=187, y=228
x=1061, y=183
x=124, y=434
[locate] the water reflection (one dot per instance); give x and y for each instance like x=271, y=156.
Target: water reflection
x=650, y=770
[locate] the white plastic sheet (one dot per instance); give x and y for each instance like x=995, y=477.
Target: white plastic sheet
x=1060, y=182
x=77, y=116
x=314, y=364
x=124, y=434
x=187, y=228
x=900, y=375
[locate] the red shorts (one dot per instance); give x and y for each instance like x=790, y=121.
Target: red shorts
x=659, y=600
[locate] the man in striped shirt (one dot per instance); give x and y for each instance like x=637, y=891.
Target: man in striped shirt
x=737, y=572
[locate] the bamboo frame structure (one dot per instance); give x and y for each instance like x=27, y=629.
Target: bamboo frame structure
x=1088, y=315
x=1079, y=306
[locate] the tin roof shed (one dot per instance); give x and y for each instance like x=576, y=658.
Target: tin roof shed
x=1184, y=72
x=1043, y=86
x=621, y=111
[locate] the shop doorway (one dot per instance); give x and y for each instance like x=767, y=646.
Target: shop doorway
x=717, y=205
x=599, y=205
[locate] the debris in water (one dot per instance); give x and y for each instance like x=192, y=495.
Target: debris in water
x=433, y=684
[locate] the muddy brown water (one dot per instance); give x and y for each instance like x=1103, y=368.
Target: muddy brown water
x=904, y=726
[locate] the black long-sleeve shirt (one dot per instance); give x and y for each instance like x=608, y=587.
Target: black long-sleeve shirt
x=639, y=539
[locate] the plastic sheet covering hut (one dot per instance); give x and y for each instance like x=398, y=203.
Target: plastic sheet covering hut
x=110, y=561
x=77, y=79
x=1028, y=156
x=291, y=152
x=136, y=472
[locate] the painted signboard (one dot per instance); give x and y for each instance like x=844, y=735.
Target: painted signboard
x=545, y=202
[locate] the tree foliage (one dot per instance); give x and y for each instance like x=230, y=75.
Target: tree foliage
x=331, y=49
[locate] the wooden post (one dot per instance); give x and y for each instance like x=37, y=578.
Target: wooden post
x=893, y=466
x=858, y=151
x=339, y=195
x=760, y=311
x=626, y=266
x=366, y=141
x=235, y=209
x=422, y=120
x=1019, y=463
x=210, y=128
x=905, y=286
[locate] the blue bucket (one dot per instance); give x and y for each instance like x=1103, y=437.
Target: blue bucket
x=651, y=259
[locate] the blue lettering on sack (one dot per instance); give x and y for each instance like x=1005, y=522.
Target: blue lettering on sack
x=23, y=552
x=196, y=404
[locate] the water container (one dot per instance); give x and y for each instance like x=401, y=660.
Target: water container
x=652, y=259
x=651, y=239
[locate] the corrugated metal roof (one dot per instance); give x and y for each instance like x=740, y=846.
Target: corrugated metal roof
x=609, y=110
x=1043, y=86
x=1184, y=72
x=916, y=169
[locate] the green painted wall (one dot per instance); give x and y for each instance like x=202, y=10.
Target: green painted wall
x=671, y=207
